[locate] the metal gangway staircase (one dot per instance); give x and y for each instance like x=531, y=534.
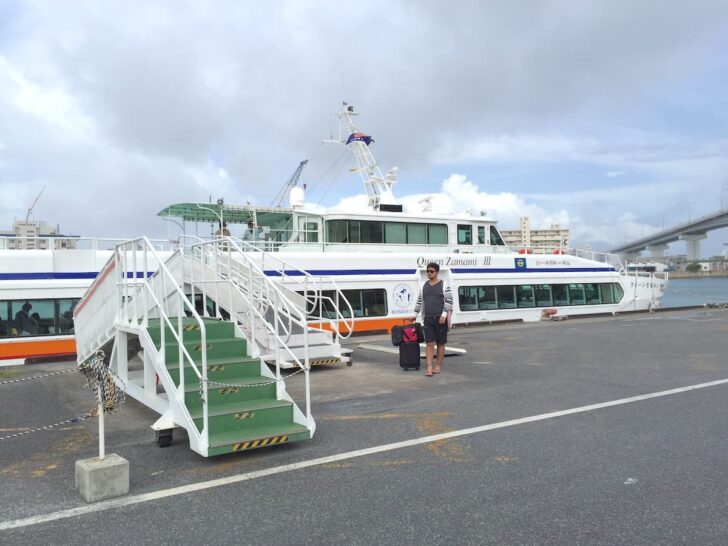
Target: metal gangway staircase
x=204, y=340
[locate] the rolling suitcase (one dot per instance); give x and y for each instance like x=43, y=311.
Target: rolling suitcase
x=409, y=356
x=408, y=338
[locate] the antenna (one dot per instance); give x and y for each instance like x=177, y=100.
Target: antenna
x=32, y=206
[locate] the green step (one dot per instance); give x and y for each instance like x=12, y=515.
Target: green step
x=240, y=417
x=214, y=329
x=225, y=370
x=216, y=349
x=220, y=395
x=256, y=438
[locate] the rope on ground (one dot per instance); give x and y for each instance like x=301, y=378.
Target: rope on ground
x=77, y=419
x=101, y=381
x=37, y=376
x=238, y=385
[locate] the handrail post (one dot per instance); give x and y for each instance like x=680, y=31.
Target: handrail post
x=278, y=347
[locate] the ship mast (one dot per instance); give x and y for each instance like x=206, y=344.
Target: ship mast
x=377, y=186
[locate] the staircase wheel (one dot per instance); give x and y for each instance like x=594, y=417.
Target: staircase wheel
x=164, y=437
x=350, y=362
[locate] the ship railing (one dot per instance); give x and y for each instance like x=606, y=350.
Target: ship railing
x=336, y=312
x=126, y=295
x=68, y=242
x=240, y=285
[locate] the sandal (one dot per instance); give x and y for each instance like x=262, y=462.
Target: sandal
x=437, y=370
x=428, y=373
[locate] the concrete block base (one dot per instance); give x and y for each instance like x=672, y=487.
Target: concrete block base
x=98, y=480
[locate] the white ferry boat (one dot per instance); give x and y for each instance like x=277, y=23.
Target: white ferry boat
x=378, y=258
x=41, y=281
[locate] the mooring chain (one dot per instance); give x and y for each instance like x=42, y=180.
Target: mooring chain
x=698, y=296
x=78, y=419
x=101, y=381
x=37, y=376
x=237, y=385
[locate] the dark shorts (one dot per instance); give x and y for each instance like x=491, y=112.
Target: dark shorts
x=434, y=331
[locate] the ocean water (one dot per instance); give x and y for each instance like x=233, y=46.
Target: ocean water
x=682, y=292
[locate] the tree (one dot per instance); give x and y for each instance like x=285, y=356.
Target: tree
x=693, y=267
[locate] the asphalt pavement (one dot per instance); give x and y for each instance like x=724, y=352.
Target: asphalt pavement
x=505, y=446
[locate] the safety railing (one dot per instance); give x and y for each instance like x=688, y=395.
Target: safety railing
x=305, y=285
x=126, y=295
x=240, y=285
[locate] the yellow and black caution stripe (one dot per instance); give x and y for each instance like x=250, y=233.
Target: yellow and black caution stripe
x=199, y=347
x=191, y=328
x=229, y=390
x=244, y=415
x=216, y=368
x=319, y=361
x=252, y=444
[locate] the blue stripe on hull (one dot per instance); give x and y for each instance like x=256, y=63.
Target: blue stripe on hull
x=335, y=272
x=61, y=276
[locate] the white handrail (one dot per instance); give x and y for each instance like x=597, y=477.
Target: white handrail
x=282, y=268
x=263, y=295
x=129, y=304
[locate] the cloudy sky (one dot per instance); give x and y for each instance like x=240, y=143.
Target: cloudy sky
x=609, y=117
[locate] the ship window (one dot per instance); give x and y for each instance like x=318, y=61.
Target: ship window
x=560, y=294
x=543, y=295
x=395, y=233
x=591, y=291
x=371, y=302
x=618, y=292
x=437, y=234
x=486, y=297
x=372, y=232
x=468, y=298
x=311, y=232
x=576, y=294
x=417, y=234
x=337, y=231
x=481, y=235
x=495, y=237
x=354, y=231
x=524, y=295
x=465, y=234
x=4, y=318
x=44, y=317
x=506, y=297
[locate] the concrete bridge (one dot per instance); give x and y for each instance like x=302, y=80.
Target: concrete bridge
x=691, y=232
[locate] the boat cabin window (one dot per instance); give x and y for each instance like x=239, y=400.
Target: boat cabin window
x=310, y=232
x=361, y=231
x=370, y=302
x=481, y=235
x=479, y=298
x=495, y=237
x=436, y=234
x=37, y=317
x=465, y=234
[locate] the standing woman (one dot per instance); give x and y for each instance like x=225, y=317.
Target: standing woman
x=435, y=300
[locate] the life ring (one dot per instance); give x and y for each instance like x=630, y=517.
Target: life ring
x=559, y=251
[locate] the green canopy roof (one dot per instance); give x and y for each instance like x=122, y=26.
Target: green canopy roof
x=212, y=212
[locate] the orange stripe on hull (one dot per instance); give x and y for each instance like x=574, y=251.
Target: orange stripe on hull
x=367, y=324
x=36, y=348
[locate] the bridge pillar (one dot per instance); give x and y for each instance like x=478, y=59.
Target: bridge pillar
x=658, y=251
x=693, y=245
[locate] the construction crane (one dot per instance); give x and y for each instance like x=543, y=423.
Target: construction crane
x=30, y=210
x=292, y=183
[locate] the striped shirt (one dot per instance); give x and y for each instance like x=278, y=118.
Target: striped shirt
x=437, y=299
